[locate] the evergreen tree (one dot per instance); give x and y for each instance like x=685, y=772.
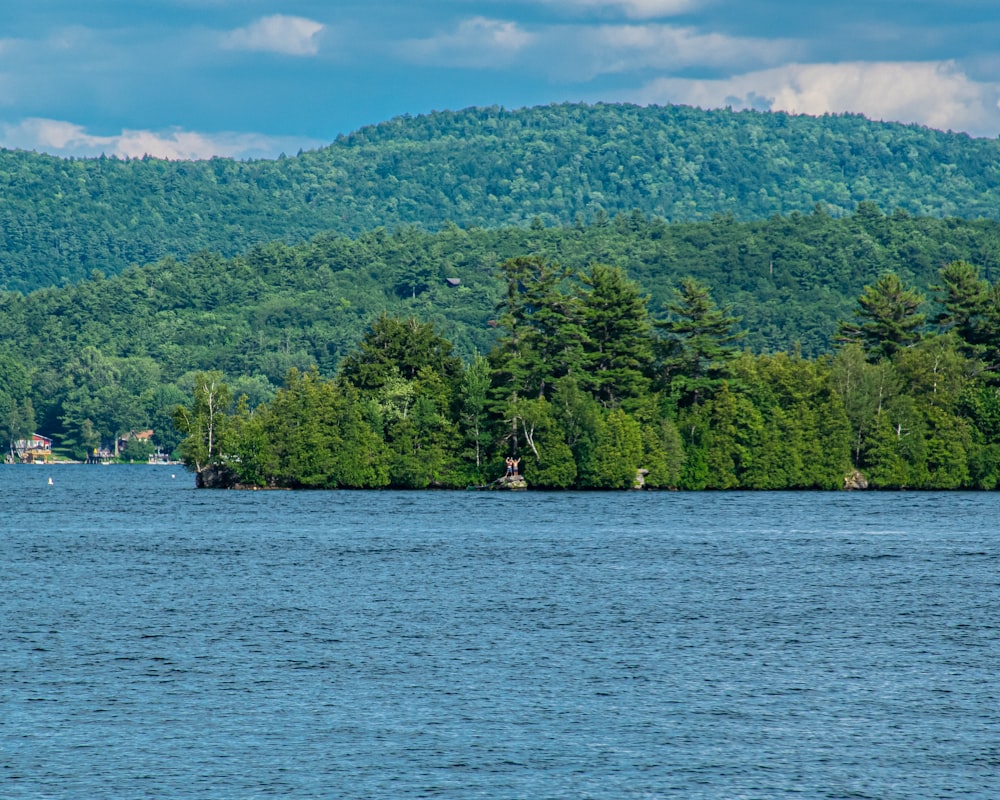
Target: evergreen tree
x=619, y=451
x=618, y=348
x=896, y=453
x=420, y=448
x=663, y=454
x=473, y=417
x=580, y=418
x=399, y=347
x=949, y=442
x=699, y=344
x=250, y=442
x=543, y=330
x=965, y=297
x=889, y=318
x=972, y=311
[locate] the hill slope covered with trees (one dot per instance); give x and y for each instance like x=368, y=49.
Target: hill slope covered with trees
x=88, y=362
x=61, y=219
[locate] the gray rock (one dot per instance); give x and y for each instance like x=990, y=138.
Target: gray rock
x=855, y=480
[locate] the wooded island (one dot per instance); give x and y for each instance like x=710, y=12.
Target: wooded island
x=592, y=392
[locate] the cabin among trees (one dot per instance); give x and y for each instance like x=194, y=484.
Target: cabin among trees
x=134, y=446
x=139, y=437
x=35, y=449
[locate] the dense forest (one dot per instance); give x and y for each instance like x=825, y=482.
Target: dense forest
x=781, y=353
x=587, y=390
x=62, y=219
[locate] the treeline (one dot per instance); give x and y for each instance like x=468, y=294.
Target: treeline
x=60, y=219
x=590, y=390
x=112, y=354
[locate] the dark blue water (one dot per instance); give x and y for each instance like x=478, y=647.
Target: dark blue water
x=158, y=641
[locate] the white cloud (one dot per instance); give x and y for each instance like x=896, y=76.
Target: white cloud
x=634, y=9
x=937, y=94
x=476, y=42
x=603, y=49
x=293, y=36
x=577, y=53
x=61, y=138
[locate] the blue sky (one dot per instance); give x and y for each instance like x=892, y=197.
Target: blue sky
x=252, y=78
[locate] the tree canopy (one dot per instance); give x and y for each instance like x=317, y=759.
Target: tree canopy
x=62, y=219
x=699, y=414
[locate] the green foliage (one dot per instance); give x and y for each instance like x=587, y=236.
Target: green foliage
x=312, y=435
x=619, y=451
x=576, y=380
x=17, y=412
x=137, y=451
x=205, y=422
x=543, y=330
x=473, y=420
x=864, y=389
x=486, y=167
x=890, y=318
x=912, y=420
x=699, y=345
x=804, y=435
x=663, y=454
x=617, y=345
x=399, y=348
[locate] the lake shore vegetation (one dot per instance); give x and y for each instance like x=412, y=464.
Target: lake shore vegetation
x=592, y=391
x=713, y=354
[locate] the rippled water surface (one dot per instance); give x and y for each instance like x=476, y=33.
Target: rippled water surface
x=158, y=641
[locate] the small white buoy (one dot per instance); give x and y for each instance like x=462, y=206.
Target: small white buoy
x=172, y=475
x=50, y=481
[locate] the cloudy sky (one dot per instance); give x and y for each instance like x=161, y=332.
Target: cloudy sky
x=251, y=78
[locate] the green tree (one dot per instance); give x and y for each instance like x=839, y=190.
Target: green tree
x=618, y=346
x=399, y=347
x=580, y=418
x=734, y=430
x=896, y=451
x=805, y=434
x=17, y=411
x=473, y=417
x=539, y=440
x=619, y=451
x=421, y=447
x=662, y=454
x=972, y=311
x=313, y=434
x=543, y=333
x=864, y=389
x=965, y=297
x=204, y=422
x=699, y=343
x=889, y=318
x=949, y=442
x=254, y=460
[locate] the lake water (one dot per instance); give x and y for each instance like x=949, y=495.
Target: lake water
x=159, y=641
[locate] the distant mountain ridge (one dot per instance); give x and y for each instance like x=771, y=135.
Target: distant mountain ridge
x=61, y=219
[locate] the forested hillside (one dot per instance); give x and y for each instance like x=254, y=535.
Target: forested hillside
x=91, y=361
x=62, y=219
